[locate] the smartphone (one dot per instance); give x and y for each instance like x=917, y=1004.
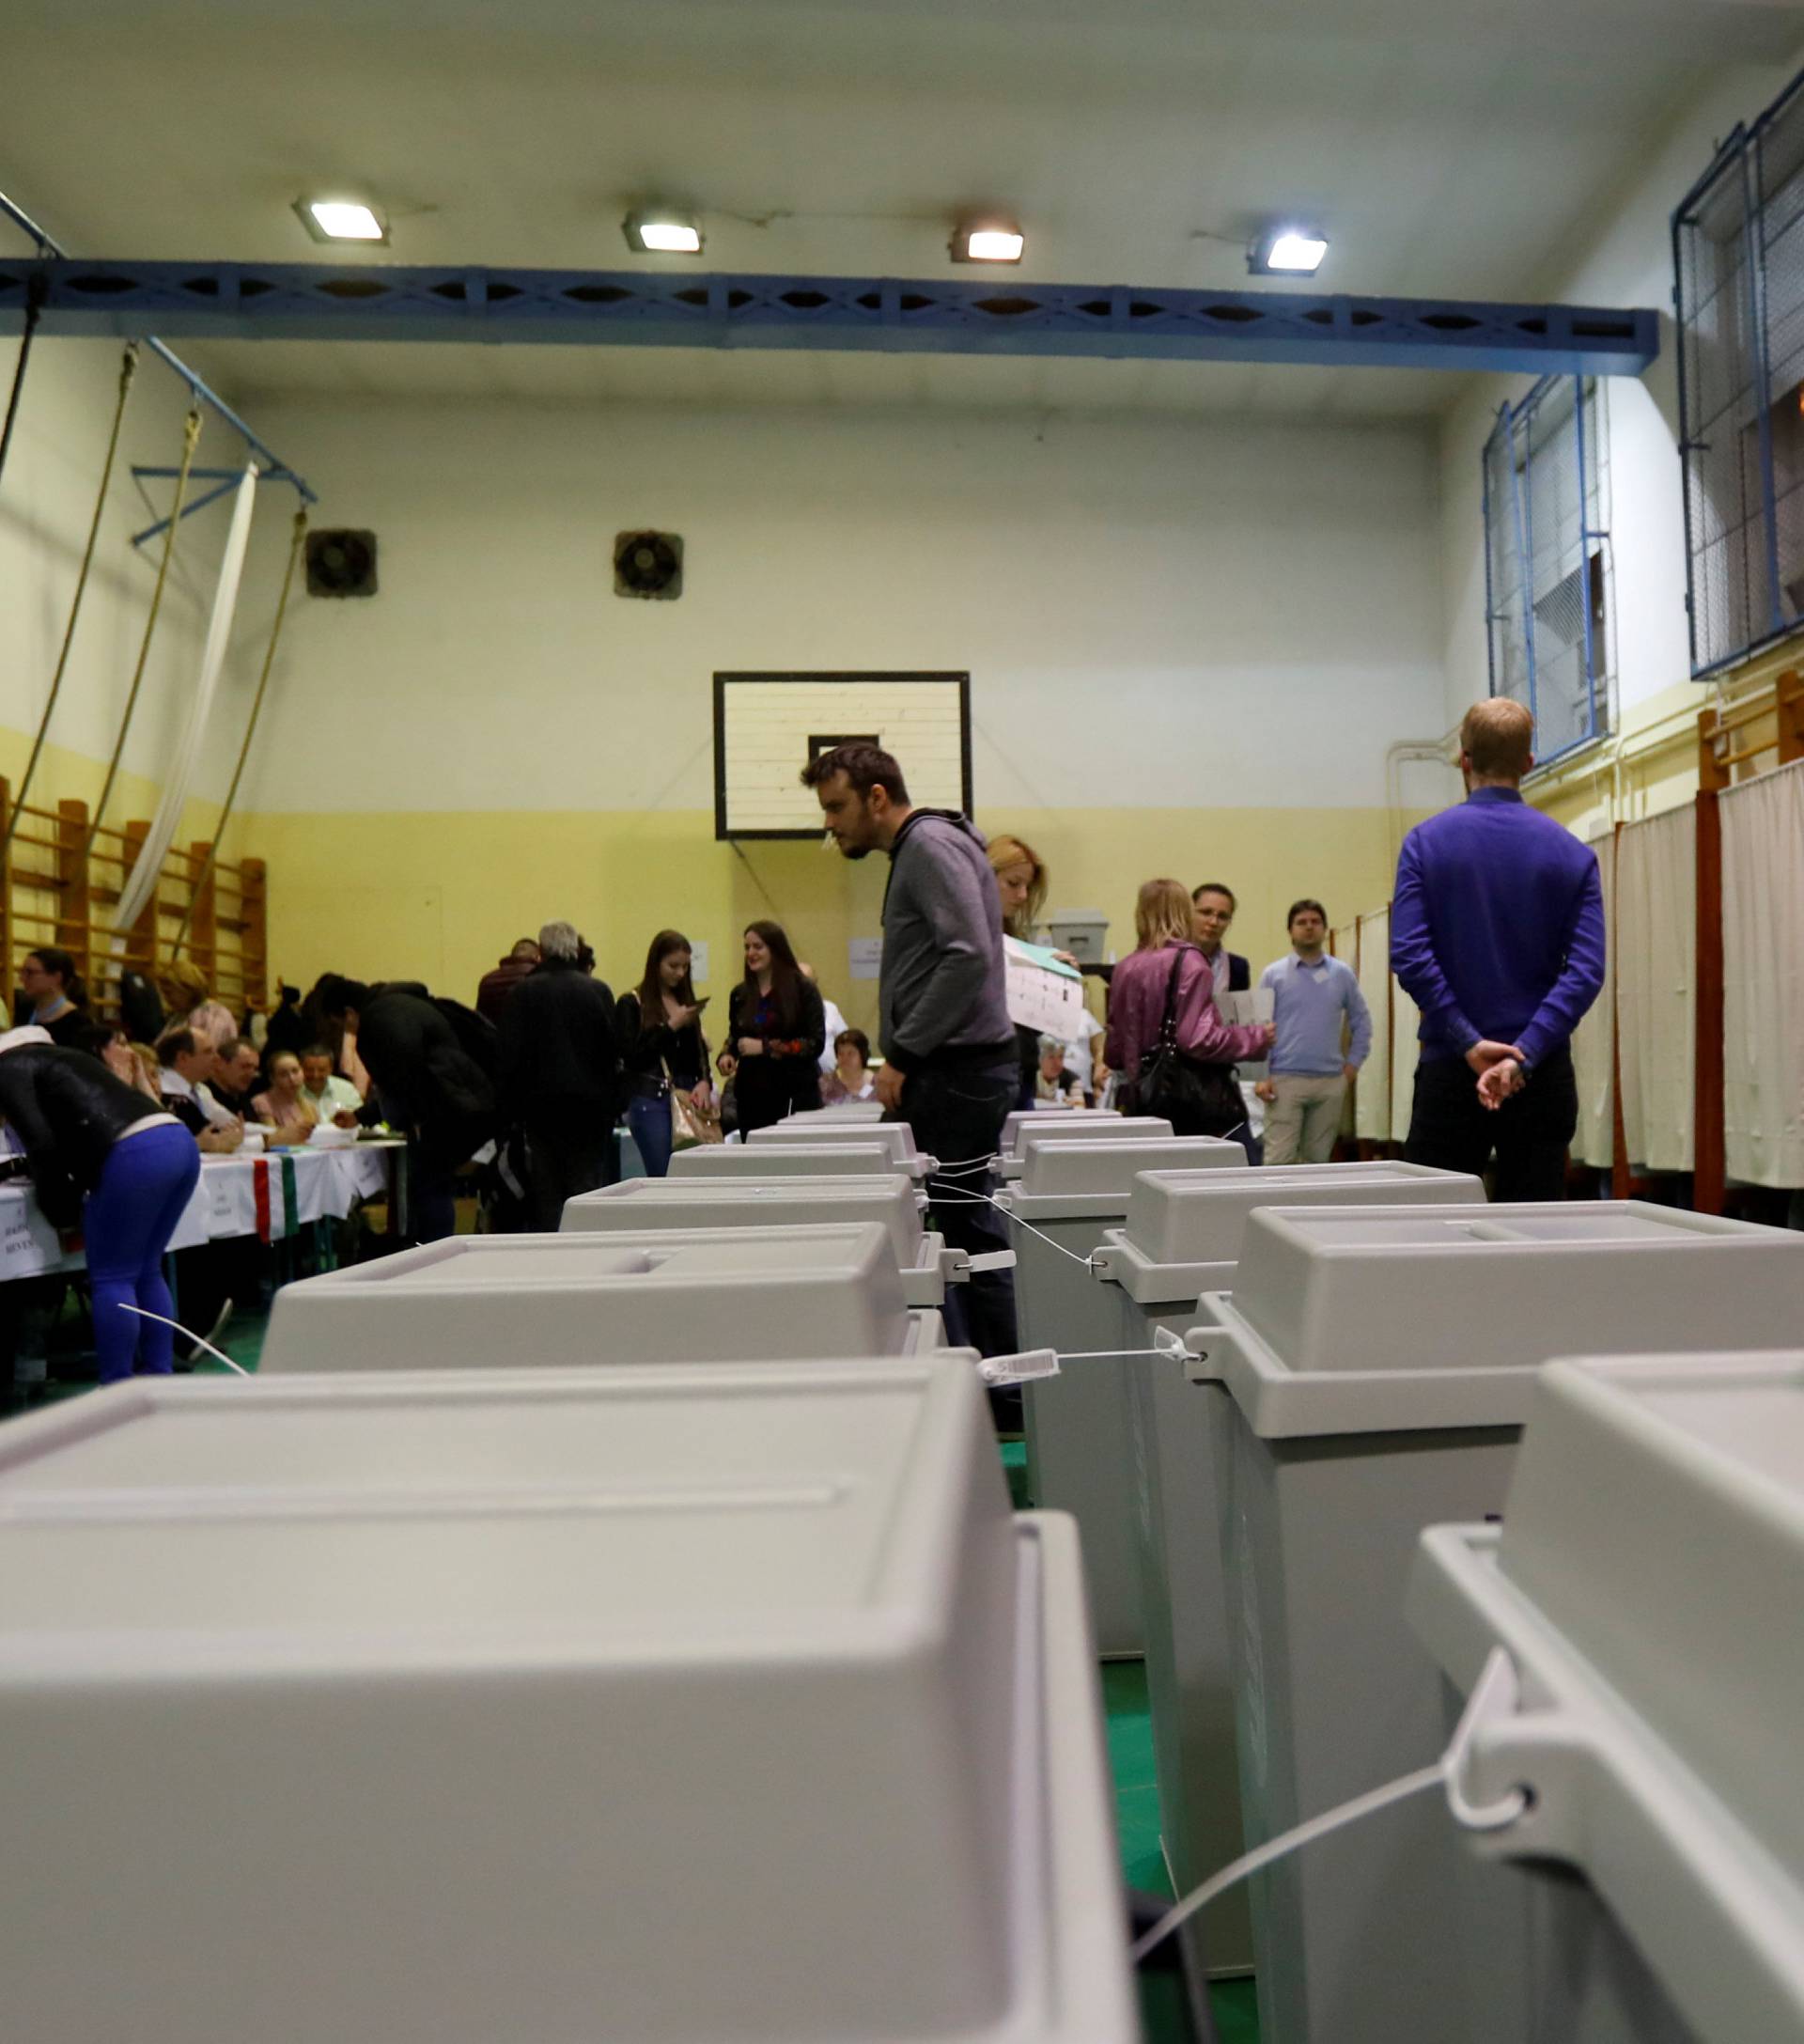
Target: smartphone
x=698, y=1005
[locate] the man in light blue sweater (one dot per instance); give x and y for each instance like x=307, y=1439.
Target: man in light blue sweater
x=1324, y=1035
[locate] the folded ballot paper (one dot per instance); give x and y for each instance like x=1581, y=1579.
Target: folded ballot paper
x=1241, y=1011
x=1044, y=993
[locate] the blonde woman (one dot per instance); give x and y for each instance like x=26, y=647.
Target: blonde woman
x=1020, y=884
x=1021, y=887
x=1188, y=1075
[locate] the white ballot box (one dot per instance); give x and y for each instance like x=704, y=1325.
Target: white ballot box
x=660, y=1703
x=682, y=1295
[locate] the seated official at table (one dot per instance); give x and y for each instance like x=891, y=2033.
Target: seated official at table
x=333, y=1099
x=182, y=1081
x=283, y=1106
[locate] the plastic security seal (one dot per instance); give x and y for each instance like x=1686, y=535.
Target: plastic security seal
x=1023, y=1368
x=956, y=1265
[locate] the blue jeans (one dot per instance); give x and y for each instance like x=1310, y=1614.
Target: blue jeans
x=146, y=1183
x=649, y=1120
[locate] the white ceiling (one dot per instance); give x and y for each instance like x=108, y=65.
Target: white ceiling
x=1450, y=146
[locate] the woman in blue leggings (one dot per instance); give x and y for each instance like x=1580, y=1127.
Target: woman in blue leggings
x=89, y=1137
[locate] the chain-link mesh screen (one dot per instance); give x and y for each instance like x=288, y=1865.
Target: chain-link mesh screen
x=1544, y=541
x=1738, y=245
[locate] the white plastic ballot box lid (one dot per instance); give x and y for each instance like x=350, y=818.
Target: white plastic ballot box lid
x=1644, y=1585
x=1378, y=1318
x=676, y=1295
x=419, y=1690
x=1080, y=1126
x=1060, y=1180
x=839, y=1113
x=783, y=1159
x=892, y=1201
x=896, y=1137
x=1030, y=1117
x=1183, y=1229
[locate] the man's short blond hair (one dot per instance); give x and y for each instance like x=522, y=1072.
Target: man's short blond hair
x=1498, y=737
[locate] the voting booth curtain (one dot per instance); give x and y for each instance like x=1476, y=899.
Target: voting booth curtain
x=1656, y=987
x=1593, y=1043
x=1763, y=971
x=1372, y=1106
x=1406, y=1019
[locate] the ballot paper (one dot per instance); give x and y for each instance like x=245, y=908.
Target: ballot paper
x=1044, y=993
x=1246, y=1010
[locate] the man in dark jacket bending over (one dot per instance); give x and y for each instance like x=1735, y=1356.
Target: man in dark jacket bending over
x=427, y=1080
x=951, y=1068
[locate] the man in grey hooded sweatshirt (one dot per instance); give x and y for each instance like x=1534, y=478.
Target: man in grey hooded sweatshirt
x=951, y=1067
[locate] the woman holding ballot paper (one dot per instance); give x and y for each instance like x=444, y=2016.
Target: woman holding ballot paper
x=1020, y=888
x=1166, y=1037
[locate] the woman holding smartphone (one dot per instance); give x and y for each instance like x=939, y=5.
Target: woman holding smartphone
x=775, y=1033
x=663, y=1047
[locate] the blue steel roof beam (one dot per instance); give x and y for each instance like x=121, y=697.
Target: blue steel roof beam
x=999, y=316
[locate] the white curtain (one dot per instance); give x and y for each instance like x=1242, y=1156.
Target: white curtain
x=1656, y=986
x=1372, y=1106
x=1406, y=1019
x=140, y=886
x=1593, y=1043
x=1763, y=962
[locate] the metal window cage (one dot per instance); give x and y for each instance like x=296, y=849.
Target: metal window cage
x=1738, y=292
x=1546, y=570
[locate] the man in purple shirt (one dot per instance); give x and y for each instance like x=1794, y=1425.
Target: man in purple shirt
x=1496, y=933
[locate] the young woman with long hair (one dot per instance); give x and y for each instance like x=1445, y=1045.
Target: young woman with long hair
x=662, y=1047
x=776, y=1031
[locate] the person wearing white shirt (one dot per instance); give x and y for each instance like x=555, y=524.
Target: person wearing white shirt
x=835, y=1020
x=333, y=1100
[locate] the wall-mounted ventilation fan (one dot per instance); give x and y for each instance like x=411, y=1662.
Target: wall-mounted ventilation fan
x=648, y=564
x=341, y=564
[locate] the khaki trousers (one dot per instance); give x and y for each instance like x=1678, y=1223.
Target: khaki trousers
x=1302, y=1122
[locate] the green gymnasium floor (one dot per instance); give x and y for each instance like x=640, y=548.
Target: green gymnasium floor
x=1130, y=1760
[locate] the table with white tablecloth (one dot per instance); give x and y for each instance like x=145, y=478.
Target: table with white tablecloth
x=271, y=1196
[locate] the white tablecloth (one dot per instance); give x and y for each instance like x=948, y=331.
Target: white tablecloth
x=267, y=1196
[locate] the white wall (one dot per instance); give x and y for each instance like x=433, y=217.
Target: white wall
x=1626, y=261
x=1154, y=613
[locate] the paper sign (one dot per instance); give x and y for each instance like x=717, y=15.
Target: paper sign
x=1044, y=993
x=698, y=962
x=1246, y=1010
x=865, y=955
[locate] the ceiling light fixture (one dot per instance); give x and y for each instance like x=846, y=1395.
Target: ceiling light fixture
x=1289, y=250
x=991, y=240
x=662, y=230
x=341, y=220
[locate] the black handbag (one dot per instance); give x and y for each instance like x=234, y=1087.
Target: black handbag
x=1197, y=1098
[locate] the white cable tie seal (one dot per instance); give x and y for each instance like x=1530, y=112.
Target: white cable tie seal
x=1496, y=1695
x=1026, y=1368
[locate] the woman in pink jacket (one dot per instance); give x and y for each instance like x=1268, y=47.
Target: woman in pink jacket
x=1167, y=967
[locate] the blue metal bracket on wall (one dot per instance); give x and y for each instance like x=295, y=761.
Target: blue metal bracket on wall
x=1002, y=316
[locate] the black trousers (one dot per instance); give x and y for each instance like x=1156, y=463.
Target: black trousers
x=958, y=1117
x=1531, y=1132
x=563, y=1161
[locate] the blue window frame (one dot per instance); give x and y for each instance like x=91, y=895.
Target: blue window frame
x=1739, y=291
x=1546, y=572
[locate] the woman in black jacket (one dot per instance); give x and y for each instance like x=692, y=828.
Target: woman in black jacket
x=776, y=1031
x=103, y=1158
x=661, y=1046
